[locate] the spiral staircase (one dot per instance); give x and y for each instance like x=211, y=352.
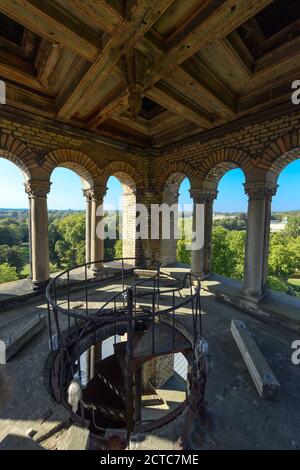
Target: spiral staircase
x=112, y=395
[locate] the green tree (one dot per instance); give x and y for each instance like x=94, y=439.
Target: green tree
x=70, y=248
x=8, y=273
x=222, y=261
x=183, y=255
x=292, y=228
x=15, y=258
x=9, y=235
x=284, y=257
x=236, y=241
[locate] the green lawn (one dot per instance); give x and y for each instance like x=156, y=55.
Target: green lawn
x=294, y=282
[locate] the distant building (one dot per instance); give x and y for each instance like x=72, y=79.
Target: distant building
x=277, y=226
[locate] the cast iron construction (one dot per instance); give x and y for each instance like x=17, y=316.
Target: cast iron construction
x=108, y=391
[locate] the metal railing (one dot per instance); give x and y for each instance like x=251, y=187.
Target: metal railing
x=73, y=330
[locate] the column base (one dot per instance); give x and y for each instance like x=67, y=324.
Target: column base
x=253, y=297
x=202, y=276
x=39, y=285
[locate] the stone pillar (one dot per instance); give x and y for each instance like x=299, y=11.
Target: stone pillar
x=37, y=192
x=88, y=222
x=128, y=225
x=146, y=247
x=201, y=258
x=97, y=241
x=257, y=242
x=168, y=247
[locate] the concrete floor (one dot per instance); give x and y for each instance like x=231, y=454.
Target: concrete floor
x=240, y=418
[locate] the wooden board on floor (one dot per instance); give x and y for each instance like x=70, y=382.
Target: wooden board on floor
x=265, y=381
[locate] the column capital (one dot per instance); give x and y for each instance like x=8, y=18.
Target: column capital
x=260, y=190
x=150, y=197
x=201, y=196
x=87, y=193
x=37, y=188
x=95, y=194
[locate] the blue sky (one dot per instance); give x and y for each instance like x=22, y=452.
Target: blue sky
x=66, y=190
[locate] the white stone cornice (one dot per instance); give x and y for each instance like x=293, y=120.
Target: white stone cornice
x=260, y=190
x=37, y=188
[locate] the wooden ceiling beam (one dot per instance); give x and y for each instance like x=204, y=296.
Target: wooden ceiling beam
x=215, y=21
x=54, y=23
x=141, y=19
x=114, y=104
x=15, y=69
x=171, y=99
x=139, y=124
x=100, y=12
x=207, y=85
x=195, y=77
x=24, y=99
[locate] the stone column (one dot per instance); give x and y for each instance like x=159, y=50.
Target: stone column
x=97, y=240
x=128, y=225
x=168, y=247
x=145, y=246
x=37, y=192
x=88, y=222
x=257, y=242
x=201, y=258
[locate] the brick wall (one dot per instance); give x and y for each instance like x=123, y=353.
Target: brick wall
x=38, y=145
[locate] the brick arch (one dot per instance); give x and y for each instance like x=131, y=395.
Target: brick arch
x=126, y=174
x=281, y=152
x=18, y=153
x=174, y=173
x=74, y=160
x=220, y=162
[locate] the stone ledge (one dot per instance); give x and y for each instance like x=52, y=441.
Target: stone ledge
x=15, y=337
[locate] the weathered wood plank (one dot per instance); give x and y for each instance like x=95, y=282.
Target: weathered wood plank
x=100, y=12
x=126, y=36
x=53, y=23
x=215, y=21
x=265, y=382
x=10, y=72
x=171, y=99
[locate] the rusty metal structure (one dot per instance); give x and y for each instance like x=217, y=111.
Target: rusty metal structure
x=109, y=390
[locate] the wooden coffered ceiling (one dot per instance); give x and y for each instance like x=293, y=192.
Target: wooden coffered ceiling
x=148, y=72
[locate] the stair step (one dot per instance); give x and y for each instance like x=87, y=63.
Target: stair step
x=99, y=393
x=163, y=342
x=120, y=348
x=110, y=369
x=14, y=337
x=120, y=352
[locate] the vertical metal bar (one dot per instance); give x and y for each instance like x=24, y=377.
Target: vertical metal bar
x=92, y=362
x=54, y=290
x=123, y=285
x=69, y=319
x=86, y=291
x=153, y=320
x=50, y=329
x=129, y=366
x=173, y=319
x=138, y=379
x=77, y=349
x=200, y=312
x=158, y=289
